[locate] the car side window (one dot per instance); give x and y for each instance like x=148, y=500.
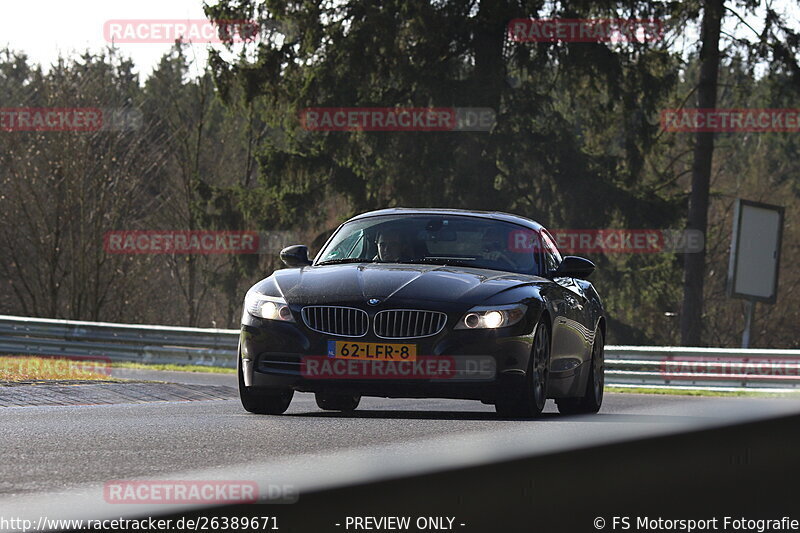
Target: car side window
x=352, y=246
x=552, y=258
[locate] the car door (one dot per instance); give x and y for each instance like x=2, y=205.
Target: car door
x=571, y=337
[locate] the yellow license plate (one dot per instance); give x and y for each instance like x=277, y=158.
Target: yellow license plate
x=372, y=351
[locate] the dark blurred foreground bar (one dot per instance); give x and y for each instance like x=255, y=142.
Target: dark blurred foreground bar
x=748, y=470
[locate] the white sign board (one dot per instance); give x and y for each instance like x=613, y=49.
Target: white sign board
x=755, y=251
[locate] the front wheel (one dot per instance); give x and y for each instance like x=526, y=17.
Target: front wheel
x=592, y=398
x=528, y=401
x=262, y=401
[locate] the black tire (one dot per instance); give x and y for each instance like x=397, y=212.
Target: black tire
x=263, y=401
x=529, y=400
x=592, y=398
x=337, y=402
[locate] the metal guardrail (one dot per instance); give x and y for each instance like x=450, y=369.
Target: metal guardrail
x=723, y=369
x=626, y=366
x=118, y=342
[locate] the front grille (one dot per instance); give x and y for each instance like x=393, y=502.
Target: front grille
x=344, y=321
x=405, y=323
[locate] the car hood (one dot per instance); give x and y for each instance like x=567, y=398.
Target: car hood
x=391, y=283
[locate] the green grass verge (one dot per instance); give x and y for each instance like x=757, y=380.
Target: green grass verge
x=175, y=368
x=681, y=392
x=15, y=369
x=39, y=368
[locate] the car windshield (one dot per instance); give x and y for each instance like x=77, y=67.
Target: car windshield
x=435, y=239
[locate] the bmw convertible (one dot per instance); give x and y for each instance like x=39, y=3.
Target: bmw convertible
x=421, y=303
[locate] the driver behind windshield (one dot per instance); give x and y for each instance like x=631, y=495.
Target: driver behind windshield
x=393, y=245
x=494, y=248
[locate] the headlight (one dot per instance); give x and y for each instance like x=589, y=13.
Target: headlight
x=492, y=317
x=269, y=307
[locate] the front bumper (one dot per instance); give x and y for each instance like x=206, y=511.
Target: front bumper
x=276, y=355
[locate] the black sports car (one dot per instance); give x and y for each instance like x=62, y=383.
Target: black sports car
x=413, y=303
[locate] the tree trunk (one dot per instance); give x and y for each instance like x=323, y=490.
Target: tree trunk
x=694, y=263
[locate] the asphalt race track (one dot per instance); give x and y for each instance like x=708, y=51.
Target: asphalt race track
x=71, y=451
x=93, y=444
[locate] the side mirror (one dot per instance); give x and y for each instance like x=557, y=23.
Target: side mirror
x=575, y=267
x=295, y=256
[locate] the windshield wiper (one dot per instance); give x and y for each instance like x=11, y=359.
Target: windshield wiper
x=447, y=261
x=343, y=260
